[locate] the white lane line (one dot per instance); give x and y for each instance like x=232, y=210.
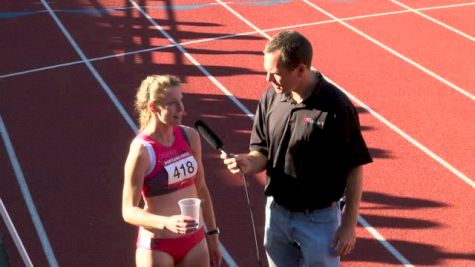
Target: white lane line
x=410, y=139
x=24, y=72
x=14, y=234
x=193, y=60
x=384, y=242
x=25, y=192
x=134, y=52
x=394, y=52
x=91, y=68
x=227, y=257
x=243, y=19
x=459, y=32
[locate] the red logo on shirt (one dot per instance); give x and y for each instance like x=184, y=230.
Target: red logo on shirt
x=319, y=123
x=308, y=120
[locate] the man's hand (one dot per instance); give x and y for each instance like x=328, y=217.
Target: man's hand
x=236, y=163
x=345, y=240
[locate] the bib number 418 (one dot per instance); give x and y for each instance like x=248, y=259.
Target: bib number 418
x=181, y=169
x=184, y=169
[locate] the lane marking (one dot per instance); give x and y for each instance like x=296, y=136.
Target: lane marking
x=100, y=11
x=394, y=52
x=94, y=72
x=25, y=192
x=384, y=242
x=193, y=60
x=134, y=52
x=410, y=139
x=250, y=24
x=14, y=234
x=438, y=22
x=227, y=257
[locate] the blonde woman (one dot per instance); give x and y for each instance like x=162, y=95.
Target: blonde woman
x=163, y=166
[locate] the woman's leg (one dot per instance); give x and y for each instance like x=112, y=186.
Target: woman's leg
x=198, y=256
x=152, y=258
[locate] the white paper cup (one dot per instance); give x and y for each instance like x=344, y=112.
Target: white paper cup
x=190, y=207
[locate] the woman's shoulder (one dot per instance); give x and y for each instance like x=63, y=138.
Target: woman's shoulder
x=138, y=146
x=189, y=131
x=191, y=135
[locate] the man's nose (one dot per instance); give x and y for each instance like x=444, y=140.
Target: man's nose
x=269, y=77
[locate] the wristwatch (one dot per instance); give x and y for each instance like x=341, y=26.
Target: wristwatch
x=213, y=232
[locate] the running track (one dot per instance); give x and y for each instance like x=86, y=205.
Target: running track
x=68, y=74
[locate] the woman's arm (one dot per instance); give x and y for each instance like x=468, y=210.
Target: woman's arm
x=135, y=167
x=203, y=194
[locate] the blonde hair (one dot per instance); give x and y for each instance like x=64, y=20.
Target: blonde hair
x=152, y=89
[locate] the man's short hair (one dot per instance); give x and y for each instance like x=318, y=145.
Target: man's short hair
x=294, y=47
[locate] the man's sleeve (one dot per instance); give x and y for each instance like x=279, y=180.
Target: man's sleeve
x=355, y=150
x=259, y=139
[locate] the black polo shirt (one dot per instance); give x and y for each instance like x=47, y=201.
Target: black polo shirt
x=310, y=146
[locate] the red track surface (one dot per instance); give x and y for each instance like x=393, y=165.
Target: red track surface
x=71, y=141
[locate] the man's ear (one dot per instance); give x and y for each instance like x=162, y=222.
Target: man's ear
x=302, y=69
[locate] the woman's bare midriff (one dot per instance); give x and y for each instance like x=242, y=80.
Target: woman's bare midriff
x=167, y=205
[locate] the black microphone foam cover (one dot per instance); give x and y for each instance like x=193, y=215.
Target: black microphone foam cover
x=208, y=135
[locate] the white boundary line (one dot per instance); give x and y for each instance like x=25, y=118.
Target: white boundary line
x=243, y=19
x=7, y=75
x=193, y=60
x=392, y=51
x=463, y=34
x=410, y=139
x=384, y=242
x=94, y=72
x=13, y=232
x=25, y=191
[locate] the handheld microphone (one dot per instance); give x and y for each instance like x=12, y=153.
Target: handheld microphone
x=209, y=136
x=216, y=143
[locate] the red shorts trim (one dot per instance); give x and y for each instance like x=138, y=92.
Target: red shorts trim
x=177, y=247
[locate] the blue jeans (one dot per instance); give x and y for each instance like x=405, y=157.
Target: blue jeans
x=299, y=238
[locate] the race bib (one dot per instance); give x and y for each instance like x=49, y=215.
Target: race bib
x=181, y=168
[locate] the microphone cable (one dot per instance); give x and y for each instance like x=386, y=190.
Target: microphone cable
x=252, y=219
